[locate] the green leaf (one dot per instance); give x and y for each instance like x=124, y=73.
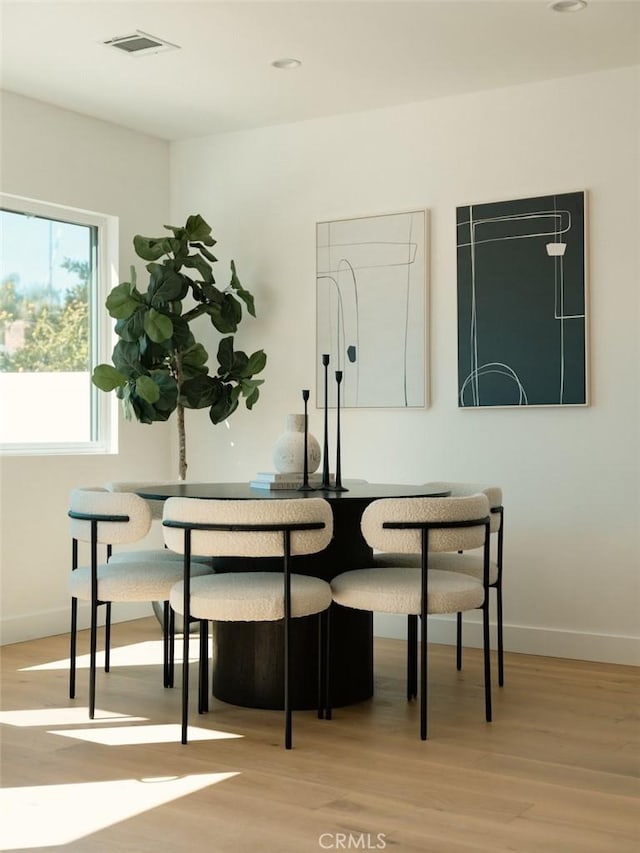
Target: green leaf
x=199, y=263
x=126, y=402
x=106, y=377
x=123, y=300
x=205, y=252
x=182, y=335
x=225, y=354
x=250, y=390
x=179, y=243
x=165, y=285
x=168, y=388
x=226, y=316
x=194, y=361
x=126, y=358
x=147, y=389
x=198, y=229
x=178, y=231
x=152, y=248
x=131, y=328
x=158, y=326
x=225, y=406
x=212, y=294
x=252, y=399
x=215, y=315
x=256, y=363
x=201, y=391
x=153, y=355
x=234, y=396
x=166, y=403
x=239, y=366
x=243, y=294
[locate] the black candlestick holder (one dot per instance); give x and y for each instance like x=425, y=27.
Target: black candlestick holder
x=305, y=487
x=326, y=484
x=338, y=485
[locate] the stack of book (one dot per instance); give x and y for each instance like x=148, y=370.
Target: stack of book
x=272, y=480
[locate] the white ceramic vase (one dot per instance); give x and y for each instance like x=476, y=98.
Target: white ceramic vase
x=288, y=452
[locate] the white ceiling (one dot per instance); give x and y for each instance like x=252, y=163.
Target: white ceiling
x=355, y=55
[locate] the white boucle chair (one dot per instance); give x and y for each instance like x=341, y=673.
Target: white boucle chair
x=146, y=555
x=246, y=528
x=471, y=564
x=425, y=527
x=100, y=517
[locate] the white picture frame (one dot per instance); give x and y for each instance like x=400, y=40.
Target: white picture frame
x=372, y=309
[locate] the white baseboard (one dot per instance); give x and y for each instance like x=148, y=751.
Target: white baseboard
x=525, y=639
x=48, y=623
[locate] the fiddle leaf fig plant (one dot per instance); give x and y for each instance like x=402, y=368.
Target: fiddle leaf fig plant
x=158, y=366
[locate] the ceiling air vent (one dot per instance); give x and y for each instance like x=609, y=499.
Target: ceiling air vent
x=140, y=44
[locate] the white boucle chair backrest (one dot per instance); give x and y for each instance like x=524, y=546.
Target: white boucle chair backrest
x=98, y=501
x=460, y=490
x=213, y=543
x=425, y=510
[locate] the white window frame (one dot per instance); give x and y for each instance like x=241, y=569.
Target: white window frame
x=104, y=409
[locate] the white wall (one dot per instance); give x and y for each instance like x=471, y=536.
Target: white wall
x=58, y=156
x=570, y=476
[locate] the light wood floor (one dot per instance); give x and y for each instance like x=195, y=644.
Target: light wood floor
x=556, y=771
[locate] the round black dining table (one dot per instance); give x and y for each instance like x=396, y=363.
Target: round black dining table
x=248, y=656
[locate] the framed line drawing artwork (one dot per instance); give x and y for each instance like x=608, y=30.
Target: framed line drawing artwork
x=372, y=300
x=522, y=302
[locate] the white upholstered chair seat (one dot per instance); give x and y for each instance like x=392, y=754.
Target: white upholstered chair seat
x=128, y=581
x=251, y=597
x=395, y=589
x=150, y=555
x=465, y=564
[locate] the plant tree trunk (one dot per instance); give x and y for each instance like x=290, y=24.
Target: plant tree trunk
x=182, y=438
x=182, y=444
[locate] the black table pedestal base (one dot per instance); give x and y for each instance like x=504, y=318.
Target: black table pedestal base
x=248, y=661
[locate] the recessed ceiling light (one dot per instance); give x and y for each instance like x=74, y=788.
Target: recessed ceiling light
x=286, y=63
x=568, y=5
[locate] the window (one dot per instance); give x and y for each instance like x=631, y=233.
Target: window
x=56, y=266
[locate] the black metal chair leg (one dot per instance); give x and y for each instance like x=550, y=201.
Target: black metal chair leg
x=412, y=657
x=107, y=638
x=322, y=665
x=185, y=679
x=203, y=671
x=172, y=647
x=500, y=636
x=287, y=692
x=328, y=711
x=458, y=641
x=72, y=648
x=423, y=677
x=487, y=661
x=93, y=645
x=165, y=643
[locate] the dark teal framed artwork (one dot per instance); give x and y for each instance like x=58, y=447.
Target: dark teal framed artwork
x=522, y=302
